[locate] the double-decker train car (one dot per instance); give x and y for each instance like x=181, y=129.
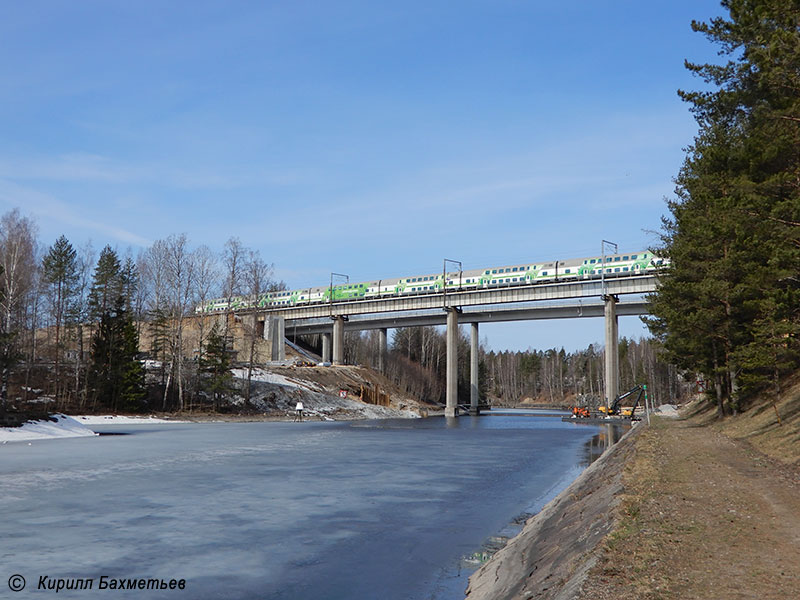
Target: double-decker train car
x=616, y=265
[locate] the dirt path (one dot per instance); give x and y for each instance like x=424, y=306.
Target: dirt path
x=704, y=517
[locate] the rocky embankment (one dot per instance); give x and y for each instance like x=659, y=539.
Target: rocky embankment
x=552, y=554
x=329, y=393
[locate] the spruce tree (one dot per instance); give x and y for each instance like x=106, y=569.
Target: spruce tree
x=215, y=364
x=107, y=283
x=116, y=376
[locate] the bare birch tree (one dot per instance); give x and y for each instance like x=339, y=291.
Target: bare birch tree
x=18, y=264
x=257, y=276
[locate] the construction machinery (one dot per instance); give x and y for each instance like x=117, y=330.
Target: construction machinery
x=581, y=412
x=627, y=411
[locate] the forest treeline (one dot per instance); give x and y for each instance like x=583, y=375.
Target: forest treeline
x=729, y=305
x=418, y=359
x=72, y=319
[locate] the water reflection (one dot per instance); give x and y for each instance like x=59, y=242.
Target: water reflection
x=609, y=434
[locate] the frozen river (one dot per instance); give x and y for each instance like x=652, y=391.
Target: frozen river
x=348, y=510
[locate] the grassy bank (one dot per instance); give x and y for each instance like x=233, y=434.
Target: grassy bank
x=702, y=515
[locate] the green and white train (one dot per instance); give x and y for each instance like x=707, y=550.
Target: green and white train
x=616, y=265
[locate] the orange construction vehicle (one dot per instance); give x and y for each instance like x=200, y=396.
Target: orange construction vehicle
x=581, y=412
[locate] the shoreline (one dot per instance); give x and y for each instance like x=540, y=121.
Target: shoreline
x=676, y=509
x=59, y=425
x=553, y=550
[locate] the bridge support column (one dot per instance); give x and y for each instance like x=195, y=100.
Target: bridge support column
x=326, y=347
x=275, y=332
x=473, y=370
x=612, y=349
x=338, y=340
x=451, y=408
x=382, y=350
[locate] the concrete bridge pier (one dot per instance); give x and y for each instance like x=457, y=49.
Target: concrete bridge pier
x=275, y=332
x=382, y=350
x=612, y=349
x=326, y=347
x=451, y=407
x=338, y=340
x=473, y=370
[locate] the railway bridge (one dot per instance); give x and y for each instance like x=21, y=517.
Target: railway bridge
x=610, y=298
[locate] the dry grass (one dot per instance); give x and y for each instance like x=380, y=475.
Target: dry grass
x=759, y=425
x=702, y=516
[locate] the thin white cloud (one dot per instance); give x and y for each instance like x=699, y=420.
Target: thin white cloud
x=49, y=209
x=94, y=168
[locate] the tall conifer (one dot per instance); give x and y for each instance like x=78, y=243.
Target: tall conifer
x=728, y=309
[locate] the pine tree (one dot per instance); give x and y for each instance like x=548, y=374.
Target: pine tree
x=734, y=235
x=60, y=272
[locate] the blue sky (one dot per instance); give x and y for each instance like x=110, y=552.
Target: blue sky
x=367, y=138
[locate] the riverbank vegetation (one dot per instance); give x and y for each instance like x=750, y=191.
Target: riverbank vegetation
x=729, y=305
x=76, y=327
x=418, y=357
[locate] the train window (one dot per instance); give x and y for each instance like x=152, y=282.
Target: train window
x=591, y=262
x=567, y=271
x=633, y=257
x=544, y=272
x=616, y=270
x=624, y=258
x=514, y=269
x=514, y=279
x=624, y=268
x=494, y=271
x=616, y=259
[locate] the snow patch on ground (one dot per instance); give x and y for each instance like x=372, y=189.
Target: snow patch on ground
x=263, y=376
x=122, y=420
x=62, y=427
